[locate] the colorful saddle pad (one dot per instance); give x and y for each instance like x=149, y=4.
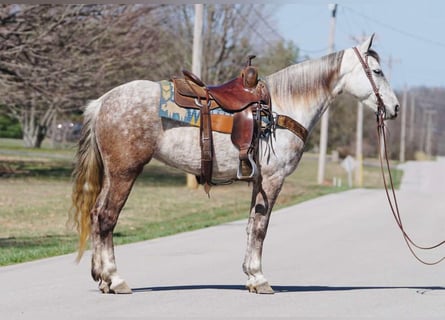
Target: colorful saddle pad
x=170, y=110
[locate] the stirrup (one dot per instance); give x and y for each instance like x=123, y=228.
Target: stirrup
x=239, y=174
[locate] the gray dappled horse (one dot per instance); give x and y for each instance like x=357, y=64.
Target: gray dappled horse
x=123, y=131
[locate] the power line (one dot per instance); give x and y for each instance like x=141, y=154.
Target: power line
x=281, y=38
x=263, y=20
x=405, y=33
x=252, y=27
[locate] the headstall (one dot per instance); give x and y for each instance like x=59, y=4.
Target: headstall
x=381, y=110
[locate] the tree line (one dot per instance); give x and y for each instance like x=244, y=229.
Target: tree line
x=54, y=58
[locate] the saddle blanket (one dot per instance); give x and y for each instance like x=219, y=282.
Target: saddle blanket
x=170, y=110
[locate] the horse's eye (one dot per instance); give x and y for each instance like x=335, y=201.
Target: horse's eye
x=378, y=72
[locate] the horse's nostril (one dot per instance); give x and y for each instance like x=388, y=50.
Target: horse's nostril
x=397, y=108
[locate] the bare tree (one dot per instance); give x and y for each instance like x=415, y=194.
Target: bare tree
x=230, y=35
x=53, y=58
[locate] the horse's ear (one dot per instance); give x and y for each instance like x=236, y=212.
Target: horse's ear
x=365, y=46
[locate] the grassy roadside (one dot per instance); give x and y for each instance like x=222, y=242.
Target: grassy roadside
x=35, y=199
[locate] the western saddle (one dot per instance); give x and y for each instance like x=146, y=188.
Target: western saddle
x=247, y=98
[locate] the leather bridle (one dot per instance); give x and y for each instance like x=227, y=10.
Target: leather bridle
x=381, y=112
x=381, y=109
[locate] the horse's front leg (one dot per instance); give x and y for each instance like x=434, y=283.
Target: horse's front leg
x=265, y=192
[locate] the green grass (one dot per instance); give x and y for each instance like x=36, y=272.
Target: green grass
x=21, y=249
x=35, y=200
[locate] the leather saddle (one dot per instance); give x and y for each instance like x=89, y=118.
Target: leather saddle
x=246, y=97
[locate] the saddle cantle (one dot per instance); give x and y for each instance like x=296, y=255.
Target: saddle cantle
x=246, y=97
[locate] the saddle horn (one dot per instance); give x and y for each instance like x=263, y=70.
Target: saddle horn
x=249, y=60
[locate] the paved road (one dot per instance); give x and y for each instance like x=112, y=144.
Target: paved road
x=336, y=257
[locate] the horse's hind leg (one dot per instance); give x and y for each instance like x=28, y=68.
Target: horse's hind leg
x=117, y=186
x=263, y=198
x=127, y=130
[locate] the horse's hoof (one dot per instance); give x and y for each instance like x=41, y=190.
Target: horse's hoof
x=121, y=288
x=263, y=288
x=104, y=287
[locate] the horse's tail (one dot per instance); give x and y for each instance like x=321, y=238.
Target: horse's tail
x=87, y=177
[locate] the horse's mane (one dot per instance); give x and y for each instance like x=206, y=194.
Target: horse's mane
x=305, y=81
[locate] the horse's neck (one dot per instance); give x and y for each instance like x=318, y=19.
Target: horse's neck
x=304, y=91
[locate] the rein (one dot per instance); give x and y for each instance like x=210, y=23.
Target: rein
x=381, y=111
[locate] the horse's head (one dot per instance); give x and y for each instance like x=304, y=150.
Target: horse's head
x=365, y=80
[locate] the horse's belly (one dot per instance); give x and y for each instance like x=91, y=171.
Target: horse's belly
x=179, y=147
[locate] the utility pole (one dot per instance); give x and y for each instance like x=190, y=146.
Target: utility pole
x=196, y=65
x=422, y=134
x=429, y=132
x=359, y=133
x=197, y=39
x=325, y=118
x=403, y=125
x=411, y=119
x=359, y=146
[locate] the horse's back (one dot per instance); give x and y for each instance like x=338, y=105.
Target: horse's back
x=134, y=93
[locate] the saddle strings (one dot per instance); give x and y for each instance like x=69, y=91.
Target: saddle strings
x=267, y=132
x=393, y=201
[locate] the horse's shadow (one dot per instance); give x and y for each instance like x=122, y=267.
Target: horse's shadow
x=287, y=289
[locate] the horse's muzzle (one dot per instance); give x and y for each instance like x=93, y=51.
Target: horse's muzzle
x=396, y=111
x=389, y=114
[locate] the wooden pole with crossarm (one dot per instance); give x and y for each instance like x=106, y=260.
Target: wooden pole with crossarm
x=196, y=65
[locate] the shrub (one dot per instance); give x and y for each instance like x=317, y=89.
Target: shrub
x=9, y=128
